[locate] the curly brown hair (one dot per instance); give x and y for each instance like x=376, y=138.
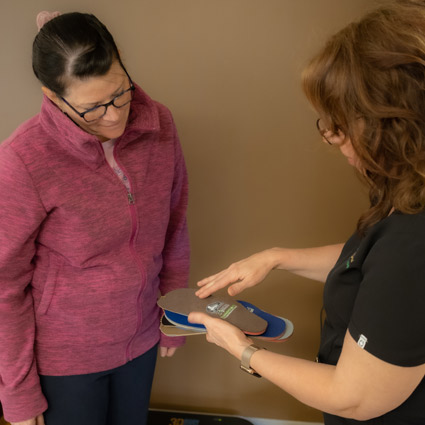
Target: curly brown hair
x=374, y=71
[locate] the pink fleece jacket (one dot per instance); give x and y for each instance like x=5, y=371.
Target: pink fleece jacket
x=82, y=260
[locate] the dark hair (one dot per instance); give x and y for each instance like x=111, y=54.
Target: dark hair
x=72, y=45
x=374, y=70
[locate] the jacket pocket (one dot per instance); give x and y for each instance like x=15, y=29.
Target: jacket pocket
x=49, y=287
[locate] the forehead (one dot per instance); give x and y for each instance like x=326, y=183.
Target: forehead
x=97, y=89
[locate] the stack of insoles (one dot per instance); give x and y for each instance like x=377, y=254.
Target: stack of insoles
x=248, y=318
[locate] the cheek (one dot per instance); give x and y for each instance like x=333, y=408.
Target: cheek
x=89, y=128
x=347, y=149
x=350, y=154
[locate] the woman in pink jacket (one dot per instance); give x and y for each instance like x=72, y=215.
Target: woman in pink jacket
x=93, y=197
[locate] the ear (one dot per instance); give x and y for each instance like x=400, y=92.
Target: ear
x=51, y=95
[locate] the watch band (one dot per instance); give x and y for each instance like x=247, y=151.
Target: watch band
x=246, y=358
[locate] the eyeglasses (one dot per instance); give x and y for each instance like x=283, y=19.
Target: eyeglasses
x=120, y=100
x=328, y=135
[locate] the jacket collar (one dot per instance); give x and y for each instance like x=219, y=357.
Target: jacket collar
x=143, y=118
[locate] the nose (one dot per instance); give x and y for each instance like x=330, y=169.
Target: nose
x=112, y=114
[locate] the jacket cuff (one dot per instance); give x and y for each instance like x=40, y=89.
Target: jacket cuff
x=171, y=341
x=23, y=406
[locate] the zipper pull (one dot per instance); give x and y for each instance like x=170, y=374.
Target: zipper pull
x=130, y=198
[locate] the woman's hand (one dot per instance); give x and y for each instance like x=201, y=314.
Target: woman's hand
x=240, y=275
x=313, y=263
x=39, y=420
x=222, y=333
x=167, y=351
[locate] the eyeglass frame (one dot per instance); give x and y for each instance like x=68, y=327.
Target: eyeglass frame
x=323, y=131
x=105, y=105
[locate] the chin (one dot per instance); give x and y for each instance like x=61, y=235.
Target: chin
x=112, y=133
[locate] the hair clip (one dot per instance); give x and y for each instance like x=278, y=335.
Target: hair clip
x=44, y=17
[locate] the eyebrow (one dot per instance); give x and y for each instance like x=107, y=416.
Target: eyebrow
x=94, y=104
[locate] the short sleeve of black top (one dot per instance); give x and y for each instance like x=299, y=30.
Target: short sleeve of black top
x=377, y=291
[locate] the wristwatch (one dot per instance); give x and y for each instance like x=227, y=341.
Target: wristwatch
x=246, y=357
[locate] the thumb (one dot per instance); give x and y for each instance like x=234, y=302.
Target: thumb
x=197, y=317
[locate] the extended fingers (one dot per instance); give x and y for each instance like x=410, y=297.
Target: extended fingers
x=207, y=280
x=207, y=289
x=218, y=281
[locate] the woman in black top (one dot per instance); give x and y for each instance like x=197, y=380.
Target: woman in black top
x=368, y=88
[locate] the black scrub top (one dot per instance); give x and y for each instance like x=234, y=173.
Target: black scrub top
x=376, y=290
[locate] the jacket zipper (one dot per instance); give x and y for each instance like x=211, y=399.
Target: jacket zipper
x=133, y=215
x=132, y=248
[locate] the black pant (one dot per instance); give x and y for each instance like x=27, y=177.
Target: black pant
x=115, y=397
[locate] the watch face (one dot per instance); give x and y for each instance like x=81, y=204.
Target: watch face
x=164, y=417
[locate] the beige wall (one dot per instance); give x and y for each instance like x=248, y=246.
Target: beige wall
x=259, y=175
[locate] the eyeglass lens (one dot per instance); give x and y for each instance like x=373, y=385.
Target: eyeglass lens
x=119, y=101
x=323, y=131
